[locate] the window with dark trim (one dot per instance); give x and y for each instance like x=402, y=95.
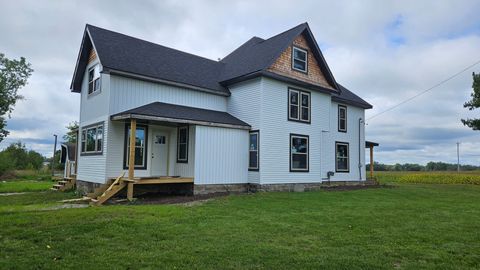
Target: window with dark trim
x=182, y=144
x=91, y=141
x=94, y=79
x=253, y=152
x=342, y=160
x=141, y=139
x=299, y=105
x=342, y=118
x=299, y=59
x=299, y=153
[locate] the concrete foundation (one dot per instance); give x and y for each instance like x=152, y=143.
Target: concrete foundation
x=84, y=187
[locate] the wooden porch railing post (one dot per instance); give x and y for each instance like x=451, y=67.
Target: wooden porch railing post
x=131, y=157
x=371, y=161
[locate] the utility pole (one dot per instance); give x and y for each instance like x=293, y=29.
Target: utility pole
x=458, y=157
x=53, y=158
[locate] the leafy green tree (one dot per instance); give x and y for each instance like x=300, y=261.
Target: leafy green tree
x=20, y=158
x=18, y=154
x=473, y=104
x=71, y=135
x=13, y=76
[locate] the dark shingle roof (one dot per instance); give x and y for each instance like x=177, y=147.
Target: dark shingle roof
x=124, y=53
x=258, y=54
x=179, y=112
x=346, y=96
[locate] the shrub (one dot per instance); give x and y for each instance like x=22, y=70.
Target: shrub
x=6, y=163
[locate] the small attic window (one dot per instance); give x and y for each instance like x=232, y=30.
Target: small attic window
x=299, y=59
x=93, y=79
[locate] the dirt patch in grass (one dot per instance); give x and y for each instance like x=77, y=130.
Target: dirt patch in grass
x=188, y=200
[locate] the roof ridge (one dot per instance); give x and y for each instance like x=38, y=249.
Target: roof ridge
x=153, y=43
x=302, y=24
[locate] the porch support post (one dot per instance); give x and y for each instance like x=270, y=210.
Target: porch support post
x=131, y=158
x=371, y=161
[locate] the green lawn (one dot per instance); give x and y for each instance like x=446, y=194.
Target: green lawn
x=407, y=227
x=26, y=181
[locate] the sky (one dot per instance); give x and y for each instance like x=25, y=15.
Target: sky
x=384, y=51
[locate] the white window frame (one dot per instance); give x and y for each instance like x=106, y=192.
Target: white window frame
x=307, y=154
x=299, y=106
x=96, y=77
x=250, y=150
x=347, y=170
x=304, y=61
x=342, y=107
x=182, y=160
x=83, y=139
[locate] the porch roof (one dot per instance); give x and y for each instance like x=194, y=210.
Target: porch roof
x=172, y=113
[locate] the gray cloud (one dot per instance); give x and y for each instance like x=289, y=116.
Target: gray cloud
x=384, y=51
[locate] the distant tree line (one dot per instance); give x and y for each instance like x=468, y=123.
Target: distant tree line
x=430, y=166
x=17, y=157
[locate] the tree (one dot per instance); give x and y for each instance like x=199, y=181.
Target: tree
x=473, y=104
x=71, y=135
x=13, y=76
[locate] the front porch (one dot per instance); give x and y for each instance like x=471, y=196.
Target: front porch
x=159, y=145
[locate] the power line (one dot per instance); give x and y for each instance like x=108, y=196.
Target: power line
x=425, y=91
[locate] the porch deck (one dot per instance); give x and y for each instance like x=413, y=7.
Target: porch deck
x=158, y=180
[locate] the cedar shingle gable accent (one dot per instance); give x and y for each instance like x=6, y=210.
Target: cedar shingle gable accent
x=92, y=56
x=283, y=65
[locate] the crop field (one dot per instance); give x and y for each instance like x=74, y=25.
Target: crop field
x=470, y=177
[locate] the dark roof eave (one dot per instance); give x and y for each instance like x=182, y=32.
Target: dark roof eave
x=124, y=116
x=370, y=144
x=353, y=103
x=126, y=74
x=282, y=78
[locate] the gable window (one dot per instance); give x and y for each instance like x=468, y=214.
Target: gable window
x=299, y=153
x=299, y=59
x=342, y=163
x=182, y=145
x=93, y=79
x=253, y=151
x=298, y=105
x=342, y=118
x=91, y=142
x=140, y=147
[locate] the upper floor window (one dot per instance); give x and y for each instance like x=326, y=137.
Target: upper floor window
x=299, y=105
x=93, y=79
x=92, y=139
x=299, y=153
x=342, y=162
x=342, y=118
x=299, y=59
x=182, y=145
x=253, y=151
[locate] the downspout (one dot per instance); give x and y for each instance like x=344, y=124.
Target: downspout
x=360, y=122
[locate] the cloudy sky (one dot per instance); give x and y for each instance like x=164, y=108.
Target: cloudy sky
x=385, y=51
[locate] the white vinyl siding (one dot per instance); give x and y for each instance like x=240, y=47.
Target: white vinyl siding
x=245, y=103
x=128, y=93
x=214, y=164
x=92, y=168
x=275, y=132
x=350, y=137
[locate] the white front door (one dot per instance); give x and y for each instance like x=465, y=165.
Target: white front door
x=159, y=153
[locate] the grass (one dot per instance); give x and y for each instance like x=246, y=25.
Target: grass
x=470, y=177
x=406, y=227
x=26, y=181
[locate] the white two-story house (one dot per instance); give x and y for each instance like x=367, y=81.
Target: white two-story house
x=268, y=116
